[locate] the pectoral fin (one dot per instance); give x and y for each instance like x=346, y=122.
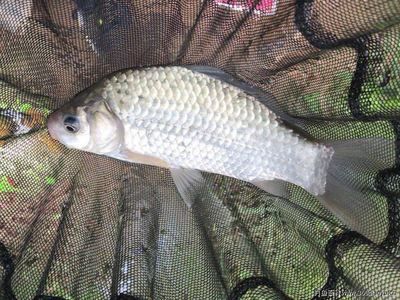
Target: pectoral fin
x=138, y=158
x=188, y=182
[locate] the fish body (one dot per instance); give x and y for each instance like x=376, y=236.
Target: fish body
x=192, y=119
x=189, y=120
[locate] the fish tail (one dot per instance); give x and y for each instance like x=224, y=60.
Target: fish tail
x=349, y=193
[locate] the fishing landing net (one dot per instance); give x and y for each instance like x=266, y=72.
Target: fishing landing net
x=75, y=225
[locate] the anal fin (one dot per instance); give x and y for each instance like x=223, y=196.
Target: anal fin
x=274, y=187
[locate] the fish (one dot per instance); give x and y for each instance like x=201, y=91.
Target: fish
x=194, y=119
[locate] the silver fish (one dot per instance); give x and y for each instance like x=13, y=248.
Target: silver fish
x=192, y=119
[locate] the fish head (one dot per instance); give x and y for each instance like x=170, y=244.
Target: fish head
x=87, y=123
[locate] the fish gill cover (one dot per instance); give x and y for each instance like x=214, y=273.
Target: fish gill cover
x=75, y=225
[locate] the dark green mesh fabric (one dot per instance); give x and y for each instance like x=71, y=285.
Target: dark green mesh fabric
x=79, y=226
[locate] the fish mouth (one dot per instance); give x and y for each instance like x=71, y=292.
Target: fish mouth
x=53, y=122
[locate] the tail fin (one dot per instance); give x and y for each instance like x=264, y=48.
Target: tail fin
x=349, y=192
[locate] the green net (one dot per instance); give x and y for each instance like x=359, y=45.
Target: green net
x=75, y=225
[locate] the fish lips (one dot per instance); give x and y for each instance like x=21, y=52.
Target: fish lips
x=53, y=124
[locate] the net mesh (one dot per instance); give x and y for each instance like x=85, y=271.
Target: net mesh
x=75, y=225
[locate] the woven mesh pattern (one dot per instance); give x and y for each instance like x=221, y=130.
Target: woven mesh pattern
x=75, y=225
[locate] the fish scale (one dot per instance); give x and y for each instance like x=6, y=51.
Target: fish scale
x=226, y=130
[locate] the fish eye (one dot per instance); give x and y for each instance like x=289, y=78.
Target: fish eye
x=71, y=124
